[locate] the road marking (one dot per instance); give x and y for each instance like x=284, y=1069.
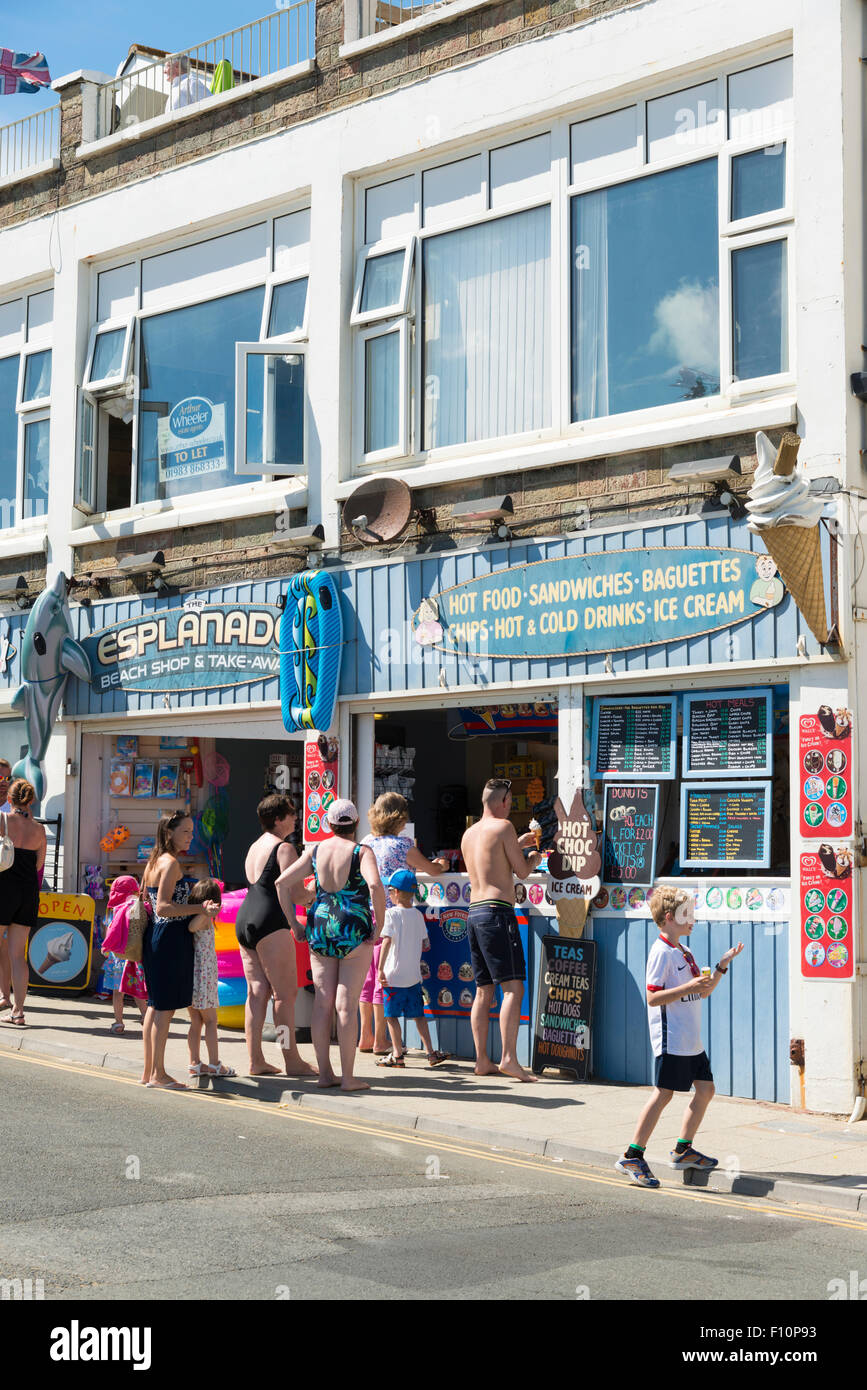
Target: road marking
x=434, y=1141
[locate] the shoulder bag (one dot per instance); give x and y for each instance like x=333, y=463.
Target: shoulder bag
x=7, y=849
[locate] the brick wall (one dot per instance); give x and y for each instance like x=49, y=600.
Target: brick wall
x=336, y=82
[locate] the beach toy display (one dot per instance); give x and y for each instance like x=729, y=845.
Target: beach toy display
x=114, y=838
x=231, y=984
x=311, y=646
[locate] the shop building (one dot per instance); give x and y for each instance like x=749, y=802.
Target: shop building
x=550, y=271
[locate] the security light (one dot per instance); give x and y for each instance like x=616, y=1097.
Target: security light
x=493, y=509
x=706, y=470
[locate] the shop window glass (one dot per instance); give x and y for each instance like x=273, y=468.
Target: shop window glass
x=758, y=182
x=8, y=441
x=37, y=376
x=36, y=439
x=760, y=320
x=188, y=355
x=486, y=330
x=645, y=292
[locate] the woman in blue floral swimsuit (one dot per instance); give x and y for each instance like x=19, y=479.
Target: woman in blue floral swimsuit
x=342, y=925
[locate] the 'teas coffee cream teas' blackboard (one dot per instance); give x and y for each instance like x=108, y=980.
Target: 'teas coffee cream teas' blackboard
x=635, y=738
x=728, y=731
x=629, y=854
x=564, y=1009
x=723, y=824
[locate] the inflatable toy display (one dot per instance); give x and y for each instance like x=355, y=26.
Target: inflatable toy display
x=232, y=986
x=311, y=646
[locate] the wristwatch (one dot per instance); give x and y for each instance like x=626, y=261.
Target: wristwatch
x=723, y=969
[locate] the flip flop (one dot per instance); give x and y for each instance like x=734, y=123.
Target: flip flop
x=166, y=1086
x=117, y=1029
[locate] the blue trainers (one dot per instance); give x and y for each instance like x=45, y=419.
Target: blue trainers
x=637, y=1171
x=691, y=1158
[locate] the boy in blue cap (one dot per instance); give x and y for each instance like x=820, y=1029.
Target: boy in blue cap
x=404, y=937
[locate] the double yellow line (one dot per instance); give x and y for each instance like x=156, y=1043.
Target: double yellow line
x=434, y=1142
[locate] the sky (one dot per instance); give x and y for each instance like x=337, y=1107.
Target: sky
x=97, y=36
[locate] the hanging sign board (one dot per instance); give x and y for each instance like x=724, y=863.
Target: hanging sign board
x=604, y=602
x=630, y=816
x=825, y=766
x=564, y=1005
x=724, y=824
x=827, y=937
x=635, y=737
x=61, y=943
x=321, y=757
x=728, y=731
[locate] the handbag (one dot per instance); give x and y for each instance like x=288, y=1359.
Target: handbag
x=137, y=918
x=7, y=848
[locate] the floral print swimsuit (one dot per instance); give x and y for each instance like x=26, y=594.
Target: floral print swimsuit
x=340, y=921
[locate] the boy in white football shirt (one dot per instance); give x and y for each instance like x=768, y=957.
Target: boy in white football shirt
x=404, y=937
x=675, y=989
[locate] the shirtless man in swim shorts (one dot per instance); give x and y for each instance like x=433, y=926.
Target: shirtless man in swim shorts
x=493, y=856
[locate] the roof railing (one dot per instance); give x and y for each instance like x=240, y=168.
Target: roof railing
x=193, y=75
x=30, y=142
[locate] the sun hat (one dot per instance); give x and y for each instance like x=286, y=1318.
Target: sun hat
x=342, y=813
x=404, y=880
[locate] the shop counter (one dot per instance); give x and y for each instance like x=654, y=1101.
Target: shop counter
x=746, y=1024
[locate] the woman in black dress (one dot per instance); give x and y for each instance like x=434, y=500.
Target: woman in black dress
x=168, y=949
x=19, y=888
x=267, y=945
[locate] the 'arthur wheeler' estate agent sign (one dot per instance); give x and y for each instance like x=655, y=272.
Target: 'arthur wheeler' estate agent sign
x=594, y=603
x=186, y=649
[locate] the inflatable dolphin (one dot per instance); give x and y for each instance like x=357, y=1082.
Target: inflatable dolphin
x=49, y=655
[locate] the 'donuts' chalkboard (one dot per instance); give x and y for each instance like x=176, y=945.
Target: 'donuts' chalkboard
x=728, y=731
x=564, y=1010
x=629, y=855
x=634, y=737
x=723, y=824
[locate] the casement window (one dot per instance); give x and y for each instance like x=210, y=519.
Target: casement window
x=629, y=261
x=158, y=415
x=25, y=406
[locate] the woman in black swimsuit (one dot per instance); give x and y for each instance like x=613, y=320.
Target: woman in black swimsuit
x=19, y=889
x=267, y=944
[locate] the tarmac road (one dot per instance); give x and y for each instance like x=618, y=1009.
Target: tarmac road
x=108, y=1191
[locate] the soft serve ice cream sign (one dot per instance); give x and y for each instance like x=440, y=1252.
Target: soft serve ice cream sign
x=192, y=440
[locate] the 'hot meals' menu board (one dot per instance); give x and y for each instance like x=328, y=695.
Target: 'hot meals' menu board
x=635, y=737
x=725, y=823
x=727, y=731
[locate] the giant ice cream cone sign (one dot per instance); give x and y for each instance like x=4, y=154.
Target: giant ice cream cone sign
x=574, y=865
x=786, y=518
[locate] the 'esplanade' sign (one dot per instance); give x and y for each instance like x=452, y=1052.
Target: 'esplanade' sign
x=187, y=649
x=599, y=603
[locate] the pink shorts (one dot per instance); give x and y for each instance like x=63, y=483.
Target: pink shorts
x=371, y=990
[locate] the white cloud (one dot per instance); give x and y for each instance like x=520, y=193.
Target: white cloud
x=687, y=327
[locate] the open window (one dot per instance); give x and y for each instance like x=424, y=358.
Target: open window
x=382, y=391
x=34, y=380
x=285, y=313
x=270, y=427
x=108, y=356
x=382, y=282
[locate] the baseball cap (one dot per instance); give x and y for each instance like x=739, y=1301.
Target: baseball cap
x=342, y=813
x=404, y=880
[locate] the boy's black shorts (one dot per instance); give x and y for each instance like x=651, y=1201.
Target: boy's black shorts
x=678, y=1073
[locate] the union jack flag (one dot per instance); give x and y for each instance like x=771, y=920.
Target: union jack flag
x=22, y=72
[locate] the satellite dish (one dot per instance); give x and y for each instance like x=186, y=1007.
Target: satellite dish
x=378, y=511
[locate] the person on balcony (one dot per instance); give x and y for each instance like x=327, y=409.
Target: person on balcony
x=185, y=87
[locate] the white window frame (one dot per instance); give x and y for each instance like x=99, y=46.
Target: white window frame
x=403, y=328
x=375, y=252
x=710, y=143
x=297, y=335
x=32, y=417
x=753, y=386
x=269, y=349
x=38, y=402
x=109, y=383
x=135, y=508
x=86, y=502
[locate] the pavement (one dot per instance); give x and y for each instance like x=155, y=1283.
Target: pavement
x=764, y=1150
